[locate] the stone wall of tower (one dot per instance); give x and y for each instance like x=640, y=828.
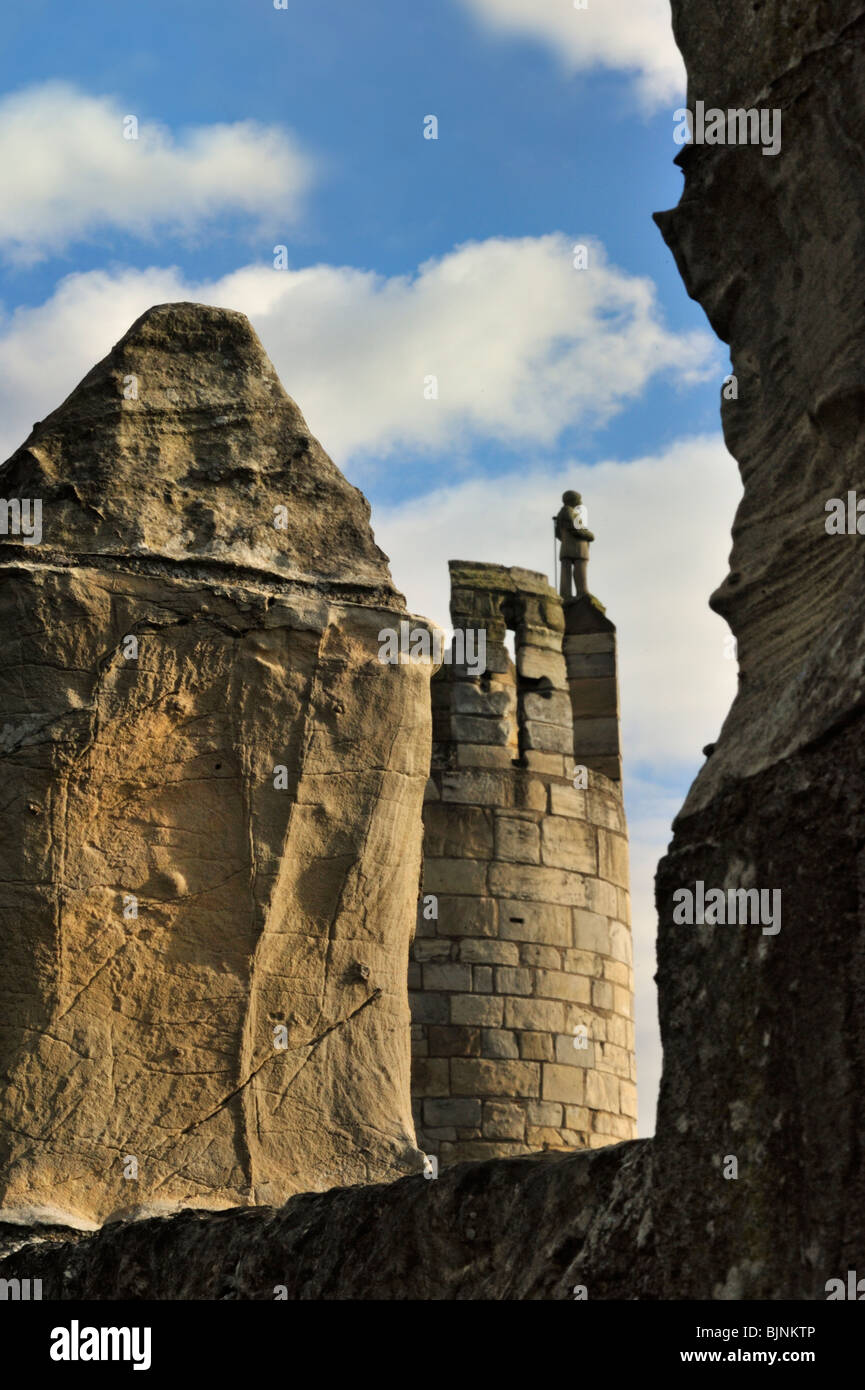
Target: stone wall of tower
x=523, y=944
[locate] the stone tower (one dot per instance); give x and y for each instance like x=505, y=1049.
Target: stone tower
x=521, y=981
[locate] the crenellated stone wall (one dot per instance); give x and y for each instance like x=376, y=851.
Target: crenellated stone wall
x=521, y=981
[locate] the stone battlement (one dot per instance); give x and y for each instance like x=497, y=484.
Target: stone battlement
x=521, y=982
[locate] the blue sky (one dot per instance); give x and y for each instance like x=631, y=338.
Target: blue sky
x=406, y=257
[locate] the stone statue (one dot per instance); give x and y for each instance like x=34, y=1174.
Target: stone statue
x=574, y=547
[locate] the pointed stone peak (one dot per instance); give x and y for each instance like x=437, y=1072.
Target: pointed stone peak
x=183, y=445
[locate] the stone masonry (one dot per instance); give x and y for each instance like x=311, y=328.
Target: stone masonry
x=521, y=981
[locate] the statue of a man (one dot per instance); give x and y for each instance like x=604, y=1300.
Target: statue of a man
x=574, y=546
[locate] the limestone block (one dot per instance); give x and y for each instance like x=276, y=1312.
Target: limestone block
x=628, y=1098
x=578, y=1118
x=466, y=916
x=617, y=972
x=452, y=975
x=592, y=932
x=604, y=805
x=499, y=702
x=569, y=1056
x=548, y=738
x=536, y=662
x=547, y=957
x=431, y=948
x=596, y=736
x=484, y=755
x=602, y=994
x=452, y=832
x=535, y=1047
x=429, y=1076
x=567, y=1084
x=552, y=708
x=569, y=844
x=514, y=981
x=567, y=801
x=481, y=1077
x=600, y=665
x=558, y=984
x=468, y=728
x=613, y=1059
x=503, y=1120
x=428, y=1008
x=479, y=788
x=536, y=922
x=490, y=952
x=600, y=897
x=459, y=876
x=474, y=1008
x=501, y=1042
x=617, y=1126
x=613, y=858
x=621, y=945
x=535, y=884
x=602, y=1091
x=456, y=1112
x=450, y=1041
x=543, y=1015
x=550, y=764
x=206, y=916
x=517, y=840
x=544, y=1112
x=595, y=698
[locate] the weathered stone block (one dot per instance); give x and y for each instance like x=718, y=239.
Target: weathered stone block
x=565, y=1084
x=457, y=1112
x=461, y=876
x=457, y=832
x=536, y=884
x=476, y=1008
x=569, y=844
x=567, y=801
x=500, y=1042
x=467, y=917
x=517, y=840
x=480, y=1077
x=503, y=1121
x=545, y=957
x=602, y=1091
x=613, y=857
x=544, y=1015
x=482, y=979
x=537, y=922
x=536, y=1047
x=514, y=981
x=592, y=932
x=451, y=975
x=490, y=952
x=467, y=728
x=429, y=1076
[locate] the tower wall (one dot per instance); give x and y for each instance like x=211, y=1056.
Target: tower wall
x=528, y=876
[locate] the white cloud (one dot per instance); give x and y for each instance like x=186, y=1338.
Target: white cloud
x=633, y=35
x=662, y=525
x=68, y=172
x=523, y=345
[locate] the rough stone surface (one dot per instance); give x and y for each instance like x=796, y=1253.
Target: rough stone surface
x=218, y=835
x=519, y=1228
x=764, y=1036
